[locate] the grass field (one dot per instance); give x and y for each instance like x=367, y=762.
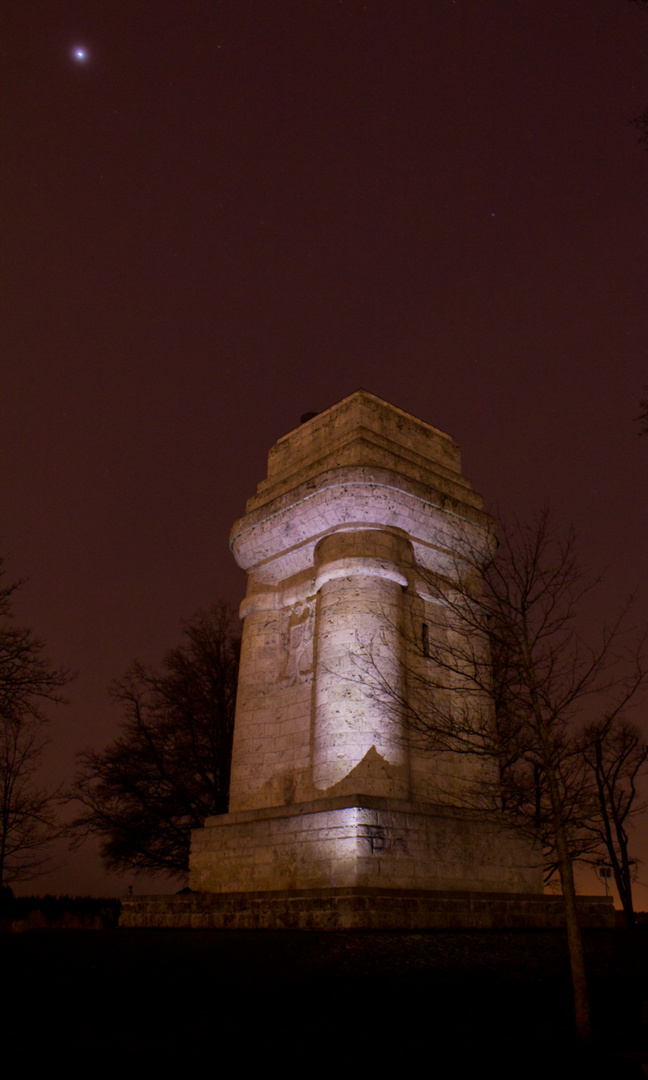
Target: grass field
x=446, y=1004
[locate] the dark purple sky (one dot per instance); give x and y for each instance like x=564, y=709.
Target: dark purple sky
x=234, y=212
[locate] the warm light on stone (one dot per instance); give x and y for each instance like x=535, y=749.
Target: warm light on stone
x=360, y=505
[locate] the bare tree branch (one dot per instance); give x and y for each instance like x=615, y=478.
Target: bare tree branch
x=498, y=674
x=28, y=682
x=617, y=755
x=169, y=769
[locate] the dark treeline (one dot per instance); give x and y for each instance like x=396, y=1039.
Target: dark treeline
x=57, y=912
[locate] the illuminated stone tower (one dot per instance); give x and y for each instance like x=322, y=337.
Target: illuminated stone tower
x=329, y=797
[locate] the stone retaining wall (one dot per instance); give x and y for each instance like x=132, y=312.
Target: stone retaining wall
x=355, y=909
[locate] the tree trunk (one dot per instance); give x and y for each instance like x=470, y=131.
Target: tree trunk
x=624, y=887
x=620, y=860
x=574, y=939
x=565, y=865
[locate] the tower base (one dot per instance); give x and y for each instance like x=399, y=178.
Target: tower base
x=360, y=863
x=360, y=841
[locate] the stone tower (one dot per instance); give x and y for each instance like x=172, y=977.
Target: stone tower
x=329, y=797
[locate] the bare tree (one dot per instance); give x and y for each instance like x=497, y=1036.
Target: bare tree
x=499, y=673
x=169, y=769
x=643, y=404
x=28, y=818
x=616, y=753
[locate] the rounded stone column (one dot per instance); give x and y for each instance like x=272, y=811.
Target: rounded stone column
x=359, y=672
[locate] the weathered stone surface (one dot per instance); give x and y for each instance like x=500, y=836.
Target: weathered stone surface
x=328, y=790
x=359, y=502
x=356, y=909
x=359, y=841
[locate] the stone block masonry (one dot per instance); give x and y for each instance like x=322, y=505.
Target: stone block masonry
x=337, y=818
x=361, y=909
x=359, y=841
x=360, y=504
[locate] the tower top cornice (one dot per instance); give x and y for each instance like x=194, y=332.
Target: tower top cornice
x=364, y=431
x=361, y=464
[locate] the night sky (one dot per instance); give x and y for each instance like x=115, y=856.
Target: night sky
x=228, y=213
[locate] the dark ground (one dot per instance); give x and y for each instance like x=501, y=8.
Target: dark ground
x=446, y=1004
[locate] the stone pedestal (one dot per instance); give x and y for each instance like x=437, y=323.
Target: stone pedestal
x=361, y=504
x=359, y=841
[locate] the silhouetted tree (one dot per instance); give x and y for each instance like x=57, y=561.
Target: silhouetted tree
x=643, y=414
x=170, y=767
x=28, y=817
x=616, y=753
x=503, y=676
